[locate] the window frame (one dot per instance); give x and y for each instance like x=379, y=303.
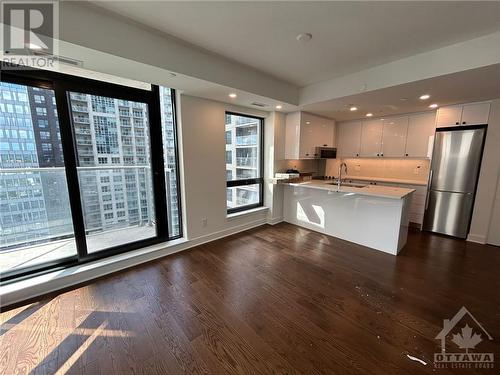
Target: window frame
x=249, y=181
x=63, y=85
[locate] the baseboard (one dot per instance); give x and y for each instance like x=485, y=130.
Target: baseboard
x=275, y=220
x=29, y=289
x=476, y=238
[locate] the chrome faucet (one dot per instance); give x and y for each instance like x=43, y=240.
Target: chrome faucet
x=339, y=181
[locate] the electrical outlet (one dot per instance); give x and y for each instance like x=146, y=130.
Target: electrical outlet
x=204, y=222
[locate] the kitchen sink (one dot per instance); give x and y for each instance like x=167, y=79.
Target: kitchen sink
x=349, y=184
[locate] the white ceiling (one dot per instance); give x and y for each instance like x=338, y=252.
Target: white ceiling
x=466, y=86
x=347, y=36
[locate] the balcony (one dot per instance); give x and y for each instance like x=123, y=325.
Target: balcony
x=247, y=140
x=80, y=130
x=80, y=97
x=81, y=120
x=79, y=108
x=49, y=237
x=250, y=162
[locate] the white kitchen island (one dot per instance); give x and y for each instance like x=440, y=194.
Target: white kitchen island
x=373, y=216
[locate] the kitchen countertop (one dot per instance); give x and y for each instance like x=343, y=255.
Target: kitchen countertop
x=369, y=190
x=383, y=179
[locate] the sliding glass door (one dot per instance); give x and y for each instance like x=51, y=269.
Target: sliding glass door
x=83, y=173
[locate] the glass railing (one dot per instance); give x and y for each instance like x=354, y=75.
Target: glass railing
x=44, y=231
x=246, y=162
x=79, y=108
x=247, y=140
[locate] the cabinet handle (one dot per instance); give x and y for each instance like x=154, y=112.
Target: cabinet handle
x=457, y=123
x=325, y=145
x=378, y=155
x=463, y=122
x=357, y=154
x=406, y=154
x=307, y=154
x=381, y=154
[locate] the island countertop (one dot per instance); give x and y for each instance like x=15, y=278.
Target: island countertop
x=370, y=190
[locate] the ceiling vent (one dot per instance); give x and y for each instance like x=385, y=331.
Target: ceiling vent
x=61, y=59
x=257, y=104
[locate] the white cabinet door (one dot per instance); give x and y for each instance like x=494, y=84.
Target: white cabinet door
x=449, y=116
x=307, y=140
x=348, y=139
x=292, y=135
x=371, y=138
x=394, y=137
x=475, y=114
x=324, y=132
x=420, y=128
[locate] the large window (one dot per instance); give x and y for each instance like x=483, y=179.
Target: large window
x=244, y=162
x=87, y=169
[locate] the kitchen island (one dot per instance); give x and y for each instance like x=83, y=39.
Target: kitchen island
x=373, y=216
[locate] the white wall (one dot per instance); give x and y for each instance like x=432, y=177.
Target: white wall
x=204, y=161
x=488, y=179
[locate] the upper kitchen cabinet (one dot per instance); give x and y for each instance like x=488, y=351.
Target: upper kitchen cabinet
x=463, y=115
x=421, y=129
x=304, y=132
x=394, y=134
x=349, y=139
x=371, y=138
x=475, y=114
x=449, y=116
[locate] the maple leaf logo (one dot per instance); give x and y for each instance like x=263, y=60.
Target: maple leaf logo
x=466, y=340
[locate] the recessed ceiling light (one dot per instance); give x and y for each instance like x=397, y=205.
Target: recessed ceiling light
x=278, y=107
x=352, y=109
x=369, y=114
x=433, y=105
x=425, y=97
x=233, y=95
x=308, y=122
x=304, y=37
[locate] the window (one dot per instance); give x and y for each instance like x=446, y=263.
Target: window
x=121, y=187
x=244, y=162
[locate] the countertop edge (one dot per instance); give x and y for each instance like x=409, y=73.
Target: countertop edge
x=350, y=190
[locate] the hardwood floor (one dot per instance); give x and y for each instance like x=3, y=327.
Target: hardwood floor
x=278, y=299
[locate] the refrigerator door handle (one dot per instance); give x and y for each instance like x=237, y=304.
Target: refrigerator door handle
x=428, y=190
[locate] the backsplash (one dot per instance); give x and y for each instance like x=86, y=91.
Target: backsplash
x=407, y=169
x=310, y=166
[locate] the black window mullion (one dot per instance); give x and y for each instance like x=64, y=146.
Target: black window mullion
x=70, y=161
x=177, y=168
x=157, y=163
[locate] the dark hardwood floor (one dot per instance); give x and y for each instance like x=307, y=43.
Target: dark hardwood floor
x=280, y=299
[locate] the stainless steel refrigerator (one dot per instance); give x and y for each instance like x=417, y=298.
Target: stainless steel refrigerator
x=455, y=165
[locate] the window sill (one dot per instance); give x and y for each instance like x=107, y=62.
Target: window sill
x=246, y=212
